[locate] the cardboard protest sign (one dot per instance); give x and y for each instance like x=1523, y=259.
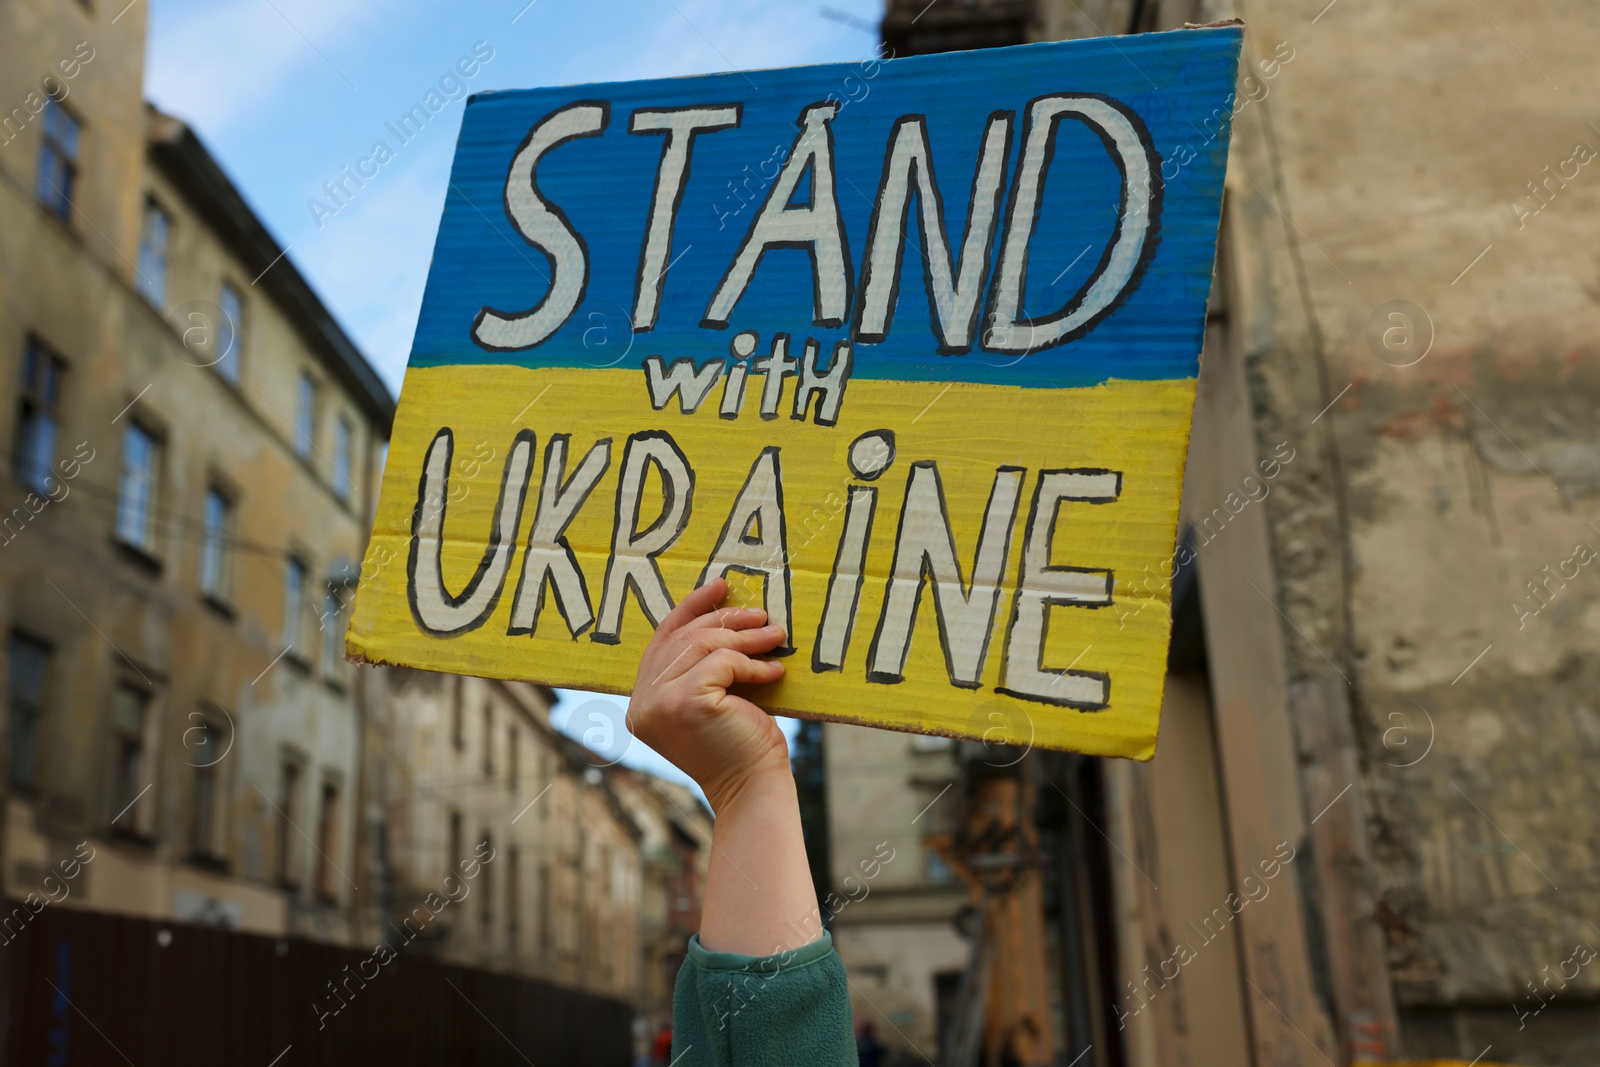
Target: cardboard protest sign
x=906, y=349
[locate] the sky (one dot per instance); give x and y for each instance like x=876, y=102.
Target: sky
x=287, y=92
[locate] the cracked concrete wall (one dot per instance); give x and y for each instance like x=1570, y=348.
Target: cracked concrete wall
x=1436, y=539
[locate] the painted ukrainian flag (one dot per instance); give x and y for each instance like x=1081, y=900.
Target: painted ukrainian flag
x=906, y=349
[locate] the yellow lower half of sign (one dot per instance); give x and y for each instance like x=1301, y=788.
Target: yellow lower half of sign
x=983, y=441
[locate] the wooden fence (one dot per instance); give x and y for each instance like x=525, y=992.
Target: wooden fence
x=92, y=989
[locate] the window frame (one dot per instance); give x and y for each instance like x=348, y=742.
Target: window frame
x=230, y=363
x=458, y=715
x=513, y=759
x=455, y=831
x=291, y=779
x=39, y=709
x=344, y=447
x=205, y=827
x=546, y=932
x=146, y=543
x=330, y=646
x=215, y=547
x=486, y=890
x=35, y=404
x=307, y=402
x=488, y=739
x=51, y=147
x=294, y=604
x=513, y=891
x=126, y=812
x=153, y=287
x=329, y=799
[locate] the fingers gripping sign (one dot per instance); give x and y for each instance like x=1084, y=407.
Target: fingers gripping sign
x=682, y=705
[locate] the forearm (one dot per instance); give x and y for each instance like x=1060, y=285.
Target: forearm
x=759, y=900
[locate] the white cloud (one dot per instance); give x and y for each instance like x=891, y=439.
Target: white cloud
x=215, y=65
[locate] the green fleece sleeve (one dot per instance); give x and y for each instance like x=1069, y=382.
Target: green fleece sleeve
x=787, y=1010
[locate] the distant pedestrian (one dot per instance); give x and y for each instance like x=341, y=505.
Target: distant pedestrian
x=869, y=1050
x=762, y=983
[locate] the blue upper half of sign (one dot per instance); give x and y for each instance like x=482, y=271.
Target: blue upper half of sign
x=1123, y=181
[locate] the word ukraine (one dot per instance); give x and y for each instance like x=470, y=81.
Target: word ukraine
x=924, y=549
x=933, y=488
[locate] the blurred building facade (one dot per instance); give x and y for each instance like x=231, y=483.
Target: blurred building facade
x=500, y=843
x=892, y=900
x=674, y=855
x=192, y=451
x=1369, y=833
x=192, y=447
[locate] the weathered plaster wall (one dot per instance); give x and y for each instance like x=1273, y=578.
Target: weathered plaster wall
x=1437, y=478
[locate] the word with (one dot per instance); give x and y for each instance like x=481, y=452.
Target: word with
x=1183, y=955
x=55, y=88
x=1582, y=950
x=692, y=383
x=1217, y=123
x=754, y=539
x=65, y=872
x=33, y=503
x=956, y=284
x=1155, y=586
x=1542, y=593
x=1581, y=155
x=423, y=914
x=814, y=927
x=405, y=129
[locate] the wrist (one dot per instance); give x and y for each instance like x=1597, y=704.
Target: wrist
x=768, y=780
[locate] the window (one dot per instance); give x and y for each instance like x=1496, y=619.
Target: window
x=136, y=497
x=294, y=600
x=458, y=733
x=128, y=714
x=544, y=910
x=28, y=680
x=341, y=458
x=327, y=840
x=214, y=546
x=455, y=841
x=153, y=253
x=544, y=781
x=513, y=899
x=204, y=741
x=305, y=415
x=512, y=760
x=488, y=740
x=486, y=874
x=58, y=159
x=332, y=633
x=39, y=421
x=230, y=333
x=619, y=877
x=288, y=795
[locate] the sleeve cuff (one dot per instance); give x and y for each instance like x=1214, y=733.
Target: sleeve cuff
x=734, y=961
